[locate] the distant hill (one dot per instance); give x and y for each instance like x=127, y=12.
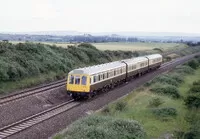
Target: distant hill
x=53, y=33
x=75, y=36
x=123, y=33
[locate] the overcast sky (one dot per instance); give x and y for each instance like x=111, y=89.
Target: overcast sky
x=100, y=15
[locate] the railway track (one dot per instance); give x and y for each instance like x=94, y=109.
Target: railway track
x=35, y=119
x=30, y=92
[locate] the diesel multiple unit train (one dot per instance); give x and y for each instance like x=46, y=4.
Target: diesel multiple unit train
x=86, y=82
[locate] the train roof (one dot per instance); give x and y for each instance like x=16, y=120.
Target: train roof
x=98, y=68
x=112, y=65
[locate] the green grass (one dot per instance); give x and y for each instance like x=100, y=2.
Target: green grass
x=138, y=109
x=184, y=87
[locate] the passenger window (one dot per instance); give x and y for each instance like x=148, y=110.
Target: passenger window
x=71, y=79
x=124, y=70
x=77, y=80
x=110, y=73
x=84, y=80
x=105, y=75
x=101, y=77
x=94, y=79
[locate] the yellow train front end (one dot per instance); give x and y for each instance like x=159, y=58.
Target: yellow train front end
x=78, y=85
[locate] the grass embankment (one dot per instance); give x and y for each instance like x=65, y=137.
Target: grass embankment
x=26, y=64
x=159, y=106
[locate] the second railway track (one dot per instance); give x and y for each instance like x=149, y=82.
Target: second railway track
x=35, y=119
x=34, y=91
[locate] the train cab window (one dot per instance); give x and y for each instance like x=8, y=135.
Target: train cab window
x=84, y=80
x=77, y=80
x=71, y=79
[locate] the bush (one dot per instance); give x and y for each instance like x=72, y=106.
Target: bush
x=192, y=100
x=168, y=58
x=165, y=79
x=193, y=118
x=184, y=69
x=103, y=127
x=158, y=49
x=196, y=82
x=106, y=110
x=120, y=106
x=195, y=89
x=193, y=64
x=87, y=45
x=164, y=112
x=177, y=77
x=22, y=60
x=155, y=102
x=166, y=90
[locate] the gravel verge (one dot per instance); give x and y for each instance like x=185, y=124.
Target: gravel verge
x=17, y=110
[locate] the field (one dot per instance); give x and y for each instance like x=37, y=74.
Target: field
x=132, y=46
x=137, y=46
